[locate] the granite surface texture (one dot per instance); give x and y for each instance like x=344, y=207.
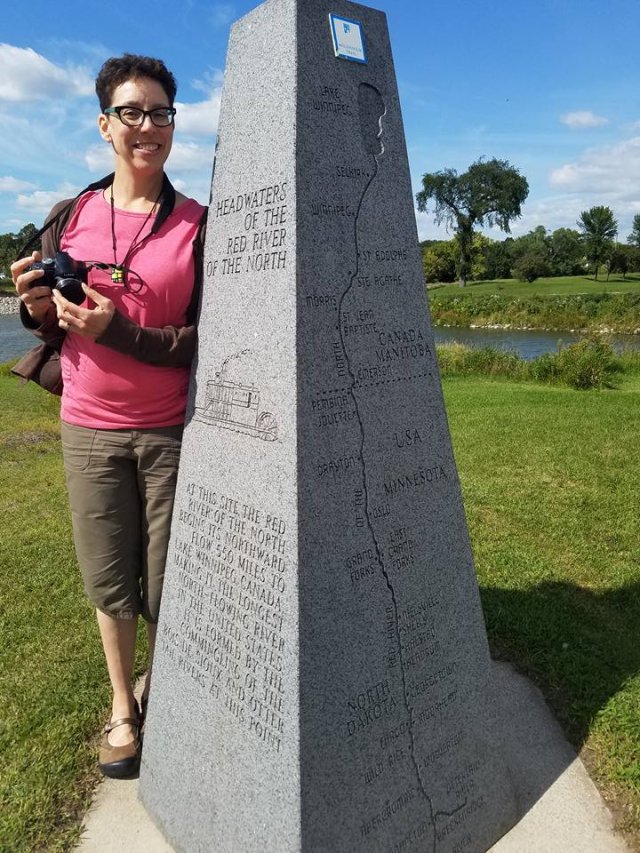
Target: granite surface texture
x=322, y=678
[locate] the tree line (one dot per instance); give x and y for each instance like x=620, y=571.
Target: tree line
x=538, y=254
x=492, y=193
x=11, y=244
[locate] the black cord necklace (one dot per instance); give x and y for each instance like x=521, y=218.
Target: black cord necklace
x=119, y=270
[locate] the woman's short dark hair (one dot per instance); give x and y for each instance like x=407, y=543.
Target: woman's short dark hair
x=129, y=66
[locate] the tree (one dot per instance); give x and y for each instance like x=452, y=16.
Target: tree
x=479, y=251
x=10, y=245
x=567, y=252
x=634, y=259
x=621, y=260
x=532, y=265
x=7, y=255
x=439, y=261
x=634, y=238
x=498, y=259
x=535, y=242
x=489, y=193
x=26, y=233
x=599, y=228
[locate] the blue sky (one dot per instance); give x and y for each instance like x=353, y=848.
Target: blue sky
x=550, y=85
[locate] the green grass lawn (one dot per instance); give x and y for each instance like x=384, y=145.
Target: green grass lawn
x=53, y=683
x=559, y=286
x=550, y=479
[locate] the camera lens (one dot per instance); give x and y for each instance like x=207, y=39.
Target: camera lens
x=71, y=289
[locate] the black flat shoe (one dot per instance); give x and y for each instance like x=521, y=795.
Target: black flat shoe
x=120, y=762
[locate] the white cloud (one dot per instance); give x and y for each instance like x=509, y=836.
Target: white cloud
x=582, y=119
x=210, y=80
x=552, y=212
x=99, y=158
x=14, y=185
x=27, y=76
x=199, y=119
x=41, y=201
x=428, y=230
x=612, y=171
x=195, y=186
x=188, y=156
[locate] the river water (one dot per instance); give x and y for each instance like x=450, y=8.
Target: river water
x=528, y=344
x=14, y=340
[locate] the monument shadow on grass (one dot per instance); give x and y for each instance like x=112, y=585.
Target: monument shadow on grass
x=562, y=636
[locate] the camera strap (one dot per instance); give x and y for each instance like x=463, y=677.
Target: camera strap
x=166, y=207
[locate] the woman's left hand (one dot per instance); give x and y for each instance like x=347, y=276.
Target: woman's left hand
x=88, y=322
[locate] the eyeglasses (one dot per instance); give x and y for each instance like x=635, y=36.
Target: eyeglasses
x=134, y=117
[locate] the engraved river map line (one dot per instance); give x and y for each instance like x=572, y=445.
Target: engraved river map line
x=434, y=816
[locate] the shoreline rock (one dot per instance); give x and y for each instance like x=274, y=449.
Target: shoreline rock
x=9, y=304
x=600, y=330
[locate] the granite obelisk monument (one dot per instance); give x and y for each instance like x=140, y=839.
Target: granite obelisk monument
x=322, y=678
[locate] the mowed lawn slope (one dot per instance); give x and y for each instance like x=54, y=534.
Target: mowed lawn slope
x=576, y=303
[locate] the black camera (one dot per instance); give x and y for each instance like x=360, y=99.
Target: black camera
x=63, y=274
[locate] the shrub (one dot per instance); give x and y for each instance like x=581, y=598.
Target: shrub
x=460, y=360
x=494, y=362
x=590, y=363
x=629, y=361
x=451, y=358
x=530, y=266
x=545, y=368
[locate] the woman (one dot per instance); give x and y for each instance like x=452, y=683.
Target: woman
x=125, y=369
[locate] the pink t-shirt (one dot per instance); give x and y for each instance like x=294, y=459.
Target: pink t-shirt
x=104, y=389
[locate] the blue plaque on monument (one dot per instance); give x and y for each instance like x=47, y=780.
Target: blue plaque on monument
x=348, y=41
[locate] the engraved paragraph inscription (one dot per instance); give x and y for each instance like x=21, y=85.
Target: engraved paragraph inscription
x=232, y=562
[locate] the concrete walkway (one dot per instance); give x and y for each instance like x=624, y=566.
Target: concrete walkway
x=566, y=812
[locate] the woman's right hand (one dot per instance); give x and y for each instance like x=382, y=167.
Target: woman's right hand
x=36, y=298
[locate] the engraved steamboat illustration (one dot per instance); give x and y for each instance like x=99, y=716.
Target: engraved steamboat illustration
x=236, y=406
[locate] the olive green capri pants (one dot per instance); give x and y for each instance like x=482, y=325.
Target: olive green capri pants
x=121, y=486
